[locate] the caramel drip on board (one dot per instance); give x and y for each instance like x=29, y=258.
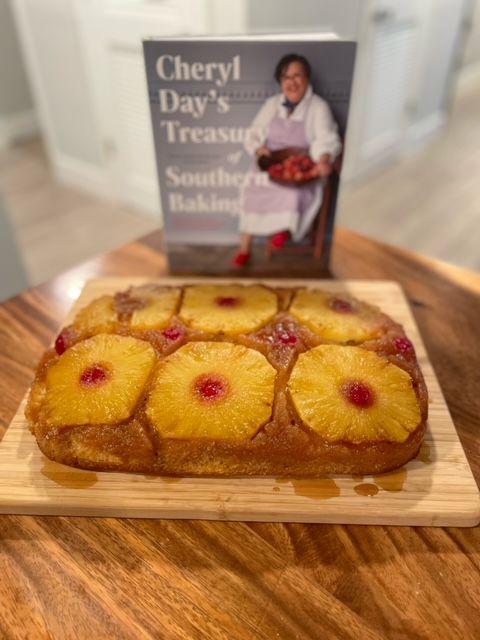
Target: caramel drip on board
x=67, y=476
x=315, y=488
x=393, y=481
x=366, y=489
x=424, y=453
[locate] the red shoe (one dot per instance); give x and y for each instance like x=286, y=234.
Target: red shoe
x=279, y=240
x=240, y=260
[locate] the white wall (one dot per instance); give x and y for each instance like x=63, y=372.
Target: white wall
x=472, y=46
x=13, y=276
x=17, y=116
x=15, y=93
x=340, y=16
x=226, y=18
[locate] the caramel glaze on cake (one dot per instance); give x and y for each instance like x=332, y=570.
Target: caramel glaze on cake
x=283, y=446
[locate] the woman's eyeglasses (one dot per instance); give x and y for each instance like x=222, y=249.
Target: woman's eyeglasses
x=294, y=76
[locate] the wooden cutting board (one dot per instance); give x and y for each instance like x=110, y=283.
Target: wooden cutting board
x=437, y=488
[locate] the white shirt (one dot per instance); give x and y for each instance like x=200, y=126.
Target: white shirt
x=321, y=129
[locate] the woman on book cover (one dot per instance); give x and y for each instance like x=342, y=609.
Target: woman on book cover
x=295, y=118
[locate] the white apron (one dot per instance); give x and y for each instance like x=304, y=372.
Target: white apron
x=268, y=209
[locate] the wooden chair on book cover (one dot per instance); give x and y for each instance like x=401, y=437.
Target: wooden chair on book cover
x=315, y=244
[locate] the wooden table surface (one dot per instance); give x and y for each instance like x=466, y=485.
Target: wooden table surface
x=107, y=578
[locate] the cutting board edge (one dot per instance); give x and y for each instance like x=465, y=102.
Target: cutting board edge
x=466, y=519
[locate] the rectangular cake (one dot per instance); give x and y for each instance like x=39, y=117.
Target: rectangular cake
x=230, y=380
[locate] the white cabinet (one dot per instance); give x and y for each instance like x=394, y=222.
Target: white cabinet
x=405, y=65
x=85, y=63
x=388, y=39
x=112, y=34
x=59, y=78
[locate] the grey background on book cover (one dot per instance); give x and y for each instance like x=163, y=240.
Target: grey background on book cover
x=332, y=71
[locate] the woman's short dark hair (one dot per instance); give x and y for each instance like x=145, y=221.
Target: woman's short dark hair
x=287, y=60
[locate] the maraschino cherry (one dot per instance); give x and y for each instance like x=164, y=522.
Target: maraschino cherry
x=94, y=375
x=172, y=333
x=210, y=387
x=359, y=394
x=339, y=305
x=403, y=345
x=228, y=301
x=287, y=338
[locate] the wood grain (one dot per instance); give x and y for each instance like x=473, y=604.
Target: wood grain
x=435, y=489
x=65, y=577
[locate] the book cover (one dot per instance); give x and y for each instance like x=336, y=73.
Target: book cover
x=248, y=136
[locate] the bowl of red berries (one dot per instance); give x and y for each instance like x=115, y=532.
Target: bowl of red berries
x=289, y=166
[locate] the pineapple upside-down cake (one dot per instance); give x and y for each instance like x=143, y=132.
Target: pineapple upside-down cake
x=230, y=380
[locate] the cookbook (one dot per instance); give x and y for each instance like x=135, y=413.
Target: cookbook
x=249, y=136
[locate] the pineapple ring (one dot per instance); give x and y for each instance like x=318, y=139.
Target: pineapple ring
x=230, y=309
x=158, y=310
x=214, y=390
x=97, y=381
x=351, y=394
x=342, y=319
x=97, y=317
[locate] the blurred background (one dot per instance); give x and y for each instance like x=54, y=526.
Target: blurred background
x=77, y=170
